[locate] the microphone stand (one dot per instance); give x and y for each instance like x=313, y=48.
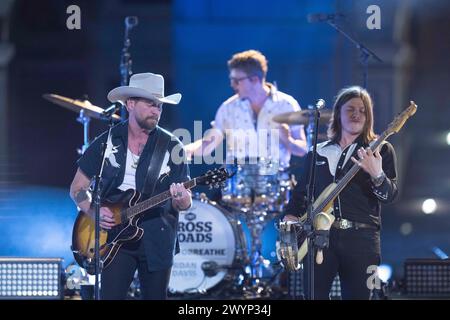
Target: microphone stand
x=308, y=226
x=96, y=197
x=365, y=53
x=125, y=59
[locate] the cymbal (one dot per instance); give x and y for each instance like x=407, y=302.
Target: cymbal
x=77, y=105
x=302, y=117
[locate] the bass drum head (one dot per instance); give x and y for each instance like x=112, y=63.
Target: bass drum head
x=208, y=243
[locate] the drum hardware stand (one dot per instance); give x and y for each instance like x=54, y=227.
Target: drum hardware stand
x=255, y=287
x=255, y=283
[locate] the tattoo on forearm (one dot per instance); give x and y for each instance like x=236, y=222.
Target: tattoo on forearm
x=81, y=196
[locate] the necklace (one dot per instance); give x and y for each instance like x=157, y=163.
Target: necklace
x=135, y=160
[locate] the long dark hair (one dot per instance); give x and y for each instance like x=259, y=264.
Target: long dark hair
x=335, y=126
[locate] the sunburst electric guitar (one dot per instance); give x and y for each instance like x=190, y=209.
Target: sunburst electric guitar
x=127, y=210
x=292, y=246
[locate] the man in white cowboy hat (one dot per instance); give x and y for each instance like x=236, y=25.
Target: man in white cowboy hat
x=134, y=145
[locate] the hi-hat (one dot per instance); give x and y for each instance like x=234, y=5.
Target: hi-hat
x=77, y=105
x=302, y=117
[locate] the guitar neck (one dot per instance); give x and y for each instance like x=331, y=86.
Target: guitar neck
x=347, y=178
x=155, y=200
x=393, y=127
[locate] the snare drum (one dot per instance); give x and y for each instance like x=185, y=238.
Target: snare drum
x=213, y=247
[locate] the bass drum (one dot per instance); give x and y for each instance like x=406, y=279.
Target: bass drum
x=212, y=251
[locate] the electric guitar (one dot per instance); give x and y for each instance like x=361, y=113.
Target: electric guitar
x=292, y=246
x=127, y=211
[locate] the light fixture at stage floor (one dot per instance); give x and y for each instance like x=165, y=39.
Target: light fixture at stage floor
x=427, y=277
x=31, y=278
x=335, y=292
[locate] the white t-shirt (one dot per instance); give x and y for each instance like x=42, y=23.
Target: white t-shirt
x=129, y=179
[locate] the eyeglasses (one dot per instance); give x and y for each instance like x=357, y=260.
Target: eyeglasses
x=237, y=80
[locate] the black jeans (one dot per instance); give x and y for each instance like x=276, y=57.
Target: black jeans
x=117, y=277
x=353, y=254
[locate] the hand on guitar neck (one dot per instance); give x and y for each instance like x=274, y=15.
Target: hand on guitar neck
x=181, y=197
x=370, y=162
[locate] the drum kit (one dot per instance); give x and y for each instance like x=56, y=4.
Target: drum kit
x=228, y=247
x=216, y=258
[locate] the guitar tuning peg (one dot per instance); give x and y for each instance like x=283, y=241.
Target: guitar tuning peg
x=210, y=187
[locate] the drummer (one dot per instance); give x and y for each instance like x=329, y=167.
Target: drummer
x=245, y=119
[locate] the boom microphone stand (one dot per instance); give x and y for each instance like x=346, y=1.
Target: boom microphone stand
x=365, y=53
x=96, y=198
x=125, y=59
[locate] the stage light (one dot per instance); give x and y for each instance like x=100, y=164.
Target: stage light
x=429, y=206
x=30, y=278
x=427, y=277
x=406, y=228
x=439, y=253
x=448, y=138
x=384, y=272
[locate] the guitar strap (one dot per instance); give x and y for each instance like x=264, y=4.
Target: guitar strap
x=162, y=142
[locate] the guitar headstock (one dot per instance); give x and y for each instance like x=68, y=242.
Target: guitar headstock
x=400, y=120
x=213, y=178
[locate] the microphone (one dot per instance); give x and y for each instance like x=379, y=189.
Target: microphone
x=323, y=17
x=320, y=104
x=116, y=106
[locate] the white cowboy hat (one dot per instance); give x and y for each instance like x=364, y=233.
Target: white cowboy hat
x=144, y=85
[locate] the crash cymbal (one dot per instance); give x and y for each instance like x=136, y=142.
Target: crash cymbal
x=302, y=117
x=77, y=105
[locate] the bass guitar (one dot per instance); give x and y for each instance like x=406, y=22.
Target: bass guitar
x=293, y=244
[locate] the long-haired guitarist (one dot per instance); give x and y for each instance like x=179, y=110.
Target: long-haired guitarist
x=130, y=151
x=354, y=244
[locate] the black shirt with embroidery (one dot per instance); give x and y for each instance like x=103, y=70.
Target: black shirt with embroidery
x=160, y=223
x=360, y=200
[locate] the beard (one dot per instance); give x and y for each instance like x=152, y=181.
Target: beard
x=148, y=123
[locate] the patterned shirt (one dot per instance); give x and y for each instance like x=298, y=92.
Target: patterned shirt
x=251, y=136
